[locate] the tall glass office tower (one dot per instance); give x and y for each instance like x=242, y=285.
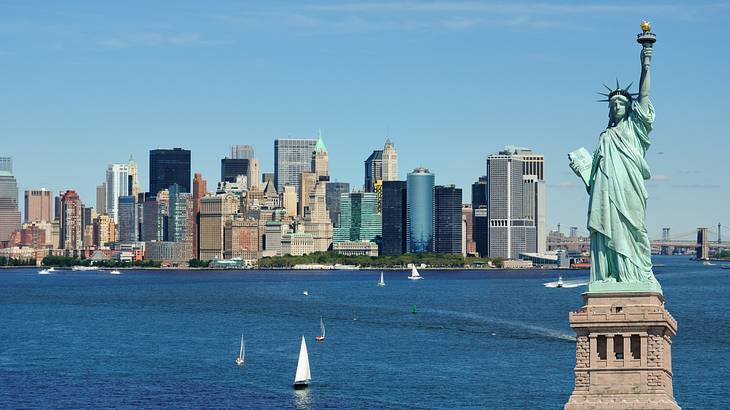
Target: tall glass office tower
x=419, y=193
x=167, y=167
x=394, y=217
x=359, y=218
x=291, y=158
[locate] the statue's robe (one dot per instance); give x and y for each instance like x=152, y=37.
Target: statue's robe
x=620, y=249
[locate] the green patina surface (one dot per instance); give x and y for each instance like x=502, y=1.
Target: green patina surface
x=614, y=176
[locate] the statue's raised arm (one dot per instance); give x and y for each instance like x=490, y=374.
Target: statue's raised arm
x=646, y=39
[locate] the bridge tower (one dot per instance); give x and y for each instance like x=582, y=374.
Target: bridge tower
x=665, y=234
x=702, y=250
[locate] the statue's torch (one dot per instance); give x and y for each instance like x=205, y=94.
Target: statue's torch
x=646, y=38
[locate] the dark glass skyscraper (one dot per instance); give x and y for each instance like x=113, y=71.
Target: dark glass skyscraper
x=373, y=170
x=420, y=211
x=332, y=199
x=447, y=219
x=167, y=167
x=395, y=215
x=231, y=168
x=127, y=219
x=481, y=218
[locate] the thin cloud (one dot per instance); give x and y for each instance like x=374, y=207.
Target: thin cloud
x=697, y=186
x=154, y=39
x=564, y=184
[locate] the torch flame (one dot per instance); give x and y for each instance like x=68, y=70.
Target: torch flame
x=645, y=26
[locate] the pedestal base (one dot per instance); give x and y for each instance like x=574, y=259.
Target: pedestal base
x=623, y=352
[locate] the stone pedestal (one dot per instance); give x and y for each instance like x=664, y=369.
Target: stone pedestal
x=623, y=352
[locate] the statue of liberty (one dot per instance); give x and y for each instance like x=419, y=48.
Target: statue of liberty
x=614, y=176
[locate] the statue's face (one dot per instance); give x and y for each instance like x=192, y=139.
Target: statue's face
x=619, y=108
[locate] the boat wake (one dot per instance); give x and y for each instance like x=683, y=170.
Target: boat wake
x=567, y=284
x=534, y=329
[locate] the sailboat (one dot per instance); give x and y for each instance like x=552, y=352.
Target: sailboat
x=241, y=354
x=414, y=274
x=303, y=376
x=560, y=281
x=320, y=338
x=115, y=272
x=44, y=272
x=381, y=282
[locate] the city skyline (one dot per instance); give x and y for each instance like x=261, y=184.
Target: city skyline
x=440, y=112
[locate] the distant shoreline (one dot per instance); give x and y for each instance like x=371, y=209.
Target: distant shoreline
x=367, y=269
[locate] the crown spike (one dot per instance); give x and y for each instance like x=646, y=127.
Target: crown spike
x=607, y=87
x=603, y=94
x=617, y=86
x=628, y=87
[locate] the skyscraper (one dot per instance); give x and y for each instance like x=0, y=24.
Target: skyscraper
x=334, y=190
x=420, y=211
x=38, y=205
x=6, y=164
x=231, y=168
x=395, y=206
x=167, y=167
x=101, y=198
x=242, y=152
x=200, y=189
x=320, y=159
x=104, y=230
x=480, y=217
x=316, y=219
x=373, y=170
x=359, y=218
x=516, y=203
x=291, y=158
x=180, y=220
x=289, y=200
x=127, y=217
x=390, y=161
x=447, y=219
x=9, y=213
x=468, y=246
x=215, y=211
x=133, y=178
x=307, y=181
x=72, y=235
x=117, y=184
x=155, y=220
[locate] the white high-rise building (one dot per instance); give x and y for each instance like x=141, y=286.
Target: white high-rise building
x=117, y=184
x=390, y=162
x=516, y=203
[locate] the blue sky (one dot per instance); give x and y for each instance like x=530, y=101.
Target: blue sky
x=85, y=84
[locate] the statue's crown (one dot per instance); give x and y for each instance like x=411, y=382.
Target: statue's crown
x=618, y=91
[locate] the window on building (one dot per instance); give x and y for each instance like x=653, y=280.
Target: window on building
x=635, y=347
x=618, y=347
x=601, y=346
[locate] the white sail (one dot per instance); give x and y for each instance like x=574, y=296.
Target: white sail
x=321, y=326
x=240, y=354
x=303, y=374
x=382, y=282
x=414, y=272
